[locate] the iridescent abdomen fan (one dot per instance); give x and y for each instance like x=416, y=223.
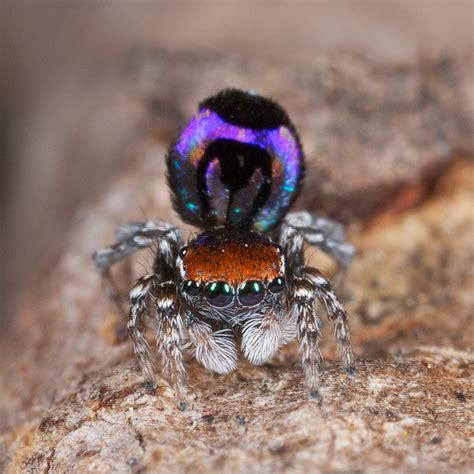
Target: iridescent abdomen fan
x=237, y=162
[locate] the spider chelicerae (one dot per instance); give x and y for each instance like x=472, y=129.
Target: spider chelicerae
x=234, y=172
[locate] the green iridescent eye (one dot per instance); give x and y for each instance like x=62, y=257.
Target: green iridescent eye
x=277, y=285
x=251, y=293
x=219, y=293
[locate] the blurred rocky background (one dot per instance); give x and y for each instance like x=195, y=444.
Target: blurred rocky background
x=90, y=96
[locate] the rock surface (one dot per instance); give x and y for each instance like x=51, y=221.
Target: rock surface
x=395, y=414
x=72, y=398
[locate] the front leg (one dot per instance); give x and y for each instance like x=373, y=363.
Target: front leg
x=169, y=339
x=308, y=324
x=142, y=296
x=336, y=313
x=145, y=294
x=305, y=289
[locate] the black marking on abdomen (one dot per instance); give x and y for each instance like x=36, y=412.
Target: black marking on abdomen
x=238, y=163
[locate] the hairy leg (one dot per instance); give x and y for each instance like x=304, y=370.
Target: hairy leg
x=142, y=296
x=131, y=237
x=158, y=301
x=336, y=313
x=305, y=289
x=322, y=232
x=308, y=324
x=305, y=285
x=169, y=339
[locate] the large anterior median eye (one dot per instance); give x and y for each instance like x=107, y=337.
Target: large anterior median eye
x=251, y=293
x=219, y=293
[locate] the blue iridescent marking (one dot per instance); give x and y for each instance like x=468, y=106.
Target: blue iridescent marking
x=191, y=206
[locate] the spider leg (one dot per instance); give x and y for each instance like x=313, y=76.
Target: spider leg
x=169, y=339
x=131, y=237
x=129, y=229
x=322, y=232
x=336, y=313
x=142, y=294
x=155, y=296
x=305, y=289
x=305, y=285
x=215, y=350
x=308, y=324
x=169, y=332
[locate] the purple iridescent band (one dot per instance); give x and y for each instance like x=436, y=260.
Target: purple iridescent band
x=279, y=143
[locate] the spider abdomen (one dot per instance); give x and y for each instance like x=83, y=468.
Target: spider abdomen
x=238, y=161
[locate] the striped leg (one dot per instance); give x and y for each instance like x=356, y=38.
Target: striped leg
x=169, y=339
x=305, y=290
x=147, y=292
x=131, y=237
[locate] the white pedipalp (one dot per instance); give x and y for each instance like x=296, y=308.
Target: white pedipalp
x=214, y=350
x=261, y=338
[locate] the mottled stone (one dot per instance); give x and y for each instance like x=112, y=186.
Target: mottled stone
x=395, y=413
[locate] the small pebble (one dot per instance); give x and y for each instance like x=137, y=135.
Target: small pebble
x=207, y=418
x=460, y=396
x=240, y=420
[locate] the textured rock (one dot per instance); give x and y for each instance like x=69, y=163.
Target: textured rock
x=71, y=398
x=396, y=413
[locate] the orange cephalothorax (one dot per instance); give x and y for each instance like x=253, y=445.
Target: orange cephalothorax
x=233, y=258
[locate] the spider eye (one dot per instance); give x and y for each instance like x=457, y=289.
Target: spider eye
x=279, y=248
x=191, y=287
x=251, y=293
x=277, y=285
x=219, y=293
x=183, y=251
